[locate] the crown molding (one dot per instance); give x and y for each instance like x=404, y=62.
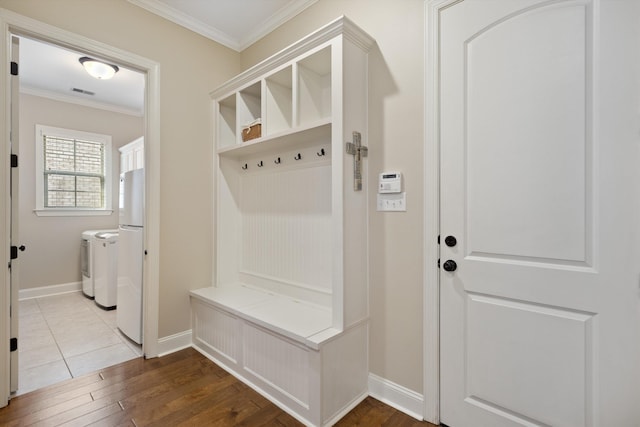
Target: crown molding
x=189, y=22
x=274, y=21
x=69, y=99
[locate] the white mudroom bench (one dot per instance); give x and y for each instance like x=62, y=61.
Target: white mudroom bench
x=285, y=349
x=287, y=311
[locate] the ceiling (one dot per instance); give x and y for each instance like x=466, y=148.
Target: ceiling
x=55, y=72
x=234, y=23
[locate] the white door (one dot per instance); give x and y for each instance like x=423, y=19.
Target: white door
x=15, y=242
x=540, y=186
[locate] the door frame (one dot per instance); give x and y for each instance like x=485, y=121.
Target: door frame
x=11, y=22
x=431, y=278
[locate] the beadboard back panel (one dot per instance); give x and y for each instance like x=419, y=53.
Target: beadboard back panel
x=286, y=228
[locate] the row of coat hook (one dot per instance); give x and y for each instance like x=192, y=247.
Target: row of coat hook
x=278, y=160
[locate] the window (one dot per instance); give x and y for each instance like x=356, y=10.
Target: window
x=73, y=172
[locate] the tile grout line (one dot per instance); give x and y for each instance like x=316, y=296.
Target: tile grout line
x=116, y=331
x=63, y=311
x=46, y=320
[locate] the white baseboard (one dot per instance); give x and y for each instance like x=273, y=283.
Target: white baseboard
x=47, y=291
x=396, y=396
x=358, y=400
x=173, y=343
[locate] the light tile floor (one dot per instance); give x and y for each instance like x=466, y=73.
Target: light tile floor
x=65, y=336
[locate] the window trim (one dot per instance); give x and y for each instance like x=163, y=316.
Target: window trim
x=40, y=209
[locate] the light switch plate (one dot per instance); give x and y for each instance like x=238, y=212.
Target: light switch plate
x=392, y=202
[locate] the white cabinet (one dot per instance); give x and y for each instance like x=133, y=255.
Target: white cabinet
x=288, y=310
x=132, y=155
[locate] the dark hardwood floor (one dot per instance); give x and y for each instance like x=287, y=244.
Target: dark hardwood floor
x=181, y=389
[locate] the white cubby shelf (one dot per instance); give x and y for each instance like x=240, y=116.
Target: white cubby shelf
x=288, y=308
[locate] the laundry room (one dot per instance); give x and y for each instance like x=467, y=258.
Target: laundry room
x=78, y=136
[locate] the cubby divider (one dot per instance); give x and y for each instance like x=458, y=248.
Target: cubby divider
x=227, y=128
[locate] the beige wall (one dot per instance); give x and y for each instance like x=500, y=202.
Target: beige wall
x=396, y=114
x=190, y=67
x=53, y=255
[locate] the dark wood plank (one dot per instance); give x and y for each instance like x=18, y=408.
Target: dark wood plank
x=91, y=383
x=181, y=389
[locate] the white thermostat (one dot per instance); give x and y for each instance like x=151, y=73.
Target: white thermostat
x=390, y=182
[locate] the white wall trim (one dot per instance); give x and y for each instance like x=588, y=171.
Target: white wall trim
x=191, y=23
x=396, y=396
x=274, y=21
x=431, y=284
x=51, y=290
x=175, y=342
x=79, y=101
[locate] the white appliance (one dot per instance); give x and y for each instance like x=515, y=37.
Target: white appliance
x=131, y=249
x=87, y=249
x=105, y=263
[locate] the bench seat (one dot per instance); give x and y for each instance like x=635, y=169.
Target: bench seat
x=299, y=321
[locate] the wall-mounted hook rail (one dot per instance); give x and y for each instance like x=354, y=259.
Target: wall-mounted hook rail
x=260, y=164
x=245, y=166
x=321, y=152
x=298, y=156
x=277, y=161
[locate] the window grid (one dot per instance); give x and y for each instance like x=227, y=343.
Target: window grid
x=73, y=173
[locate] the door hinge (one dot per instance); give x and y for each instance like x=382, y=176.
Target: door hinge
x=14, y=68
x=14, y=252
x=14, y=160
x=13, y=344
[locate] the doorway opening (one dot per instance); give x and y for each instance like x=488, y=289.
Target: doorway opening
x=15, y=24
x=63, y=333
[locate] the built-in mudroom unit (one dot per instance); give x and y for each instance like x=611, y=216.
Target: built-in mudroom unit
x=288, y=309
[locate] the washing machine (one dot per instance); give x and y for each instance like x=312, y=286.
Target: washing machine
x=105, y=263
x=86, y=260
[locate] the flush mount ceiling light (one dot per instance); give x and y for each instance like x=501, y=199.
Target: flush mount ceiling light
x=97, y=69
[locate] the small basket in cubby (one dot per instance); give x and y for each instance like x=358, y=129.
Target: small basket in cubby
x=252, y=130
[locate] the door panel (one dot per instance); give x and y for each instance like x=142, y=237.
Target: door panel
x=526, y=77
x=539, y=107
x=544, y=347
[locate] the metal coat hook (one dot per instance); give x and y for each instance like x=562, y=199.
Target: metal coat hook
x=260, y=164
x=277, y=161
x=245, y=167
x=321, y=152
x=298, y=156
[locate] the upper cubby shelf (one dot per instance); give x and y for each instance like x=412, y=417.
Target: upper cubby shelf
x=285, y=96
x=284, y=140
